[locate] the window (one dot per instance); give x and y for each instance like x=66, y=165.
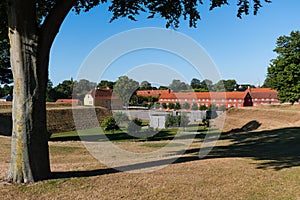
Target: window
x=230, y=100
x=223, y=100
x=255, y=99
x=234, y=100
x=214, y=100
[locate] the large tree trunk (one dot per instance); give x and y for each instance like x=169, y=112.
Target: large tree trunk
x=29, y=54
x=29, y=156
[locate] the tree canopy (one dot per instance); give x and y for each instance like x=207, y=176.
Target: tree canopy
x=125, y=88
x=178, y=85
x=284, y=71
x=5, y=71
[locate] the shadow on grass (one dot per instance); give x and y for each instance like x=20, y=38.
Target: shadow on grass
x=145, y=165
x=166, y=134
x=115, y=137
x=276, y=149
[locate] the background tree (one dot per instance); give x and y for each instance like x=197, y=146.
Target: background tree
x=206, y=85
x=163, y=87
x=125, y=88
x=50, y=93
x=225, y=85
x=104, y=84
x=64, y=90
x=178, y=85
x=29, y=58
x=284, y=71
x=5, y=71
x=145, y=85
x=229, y=85
x=81, y=87
x=6, y=90
x=195, y=83
x=219, y=86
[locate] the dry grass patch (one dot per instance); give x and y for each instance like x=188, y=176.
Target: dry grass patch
x=224, y=174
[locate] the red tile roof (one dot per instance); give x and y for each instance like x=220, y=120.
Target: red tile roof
x=262, y=93
x=69, y=101
x=153, y=93
x=102, y=94
x=204, y=95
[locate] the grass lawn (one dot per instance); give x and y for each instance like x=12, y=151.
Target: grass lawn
x=96, y=134
x=262, y=164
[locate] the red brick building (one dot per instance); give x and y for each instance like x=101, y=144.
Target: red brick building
x=263, y=96
x=102, y=97
x=227, y=99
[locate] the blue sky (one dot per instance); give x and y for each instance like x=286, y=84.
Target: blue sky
x=240, y=48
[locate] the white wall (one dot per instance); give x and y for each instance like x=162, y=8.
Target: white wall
x=88, y=100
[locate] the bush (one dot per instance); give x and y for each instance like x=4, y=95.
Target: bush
x=120, y=117
x=183, y=120
x=203, y=107
x=213, y=107
x=180, y=120
x=134, y=126
x=186, y=106
x=164, y=105
x=171, y=105
x=177, y=106
x=109, y=124
x=157, y=105
x=170, y=121
x=194, y=106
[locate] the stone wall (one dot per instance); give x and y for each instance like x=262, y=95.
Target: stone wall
x=62, y=120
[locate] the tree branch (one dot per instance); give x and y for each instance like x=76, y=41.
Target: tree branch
x=53, y=22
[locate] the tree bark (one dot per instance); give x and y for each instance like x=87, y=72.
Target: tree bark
x=30, y=48
x=29, y=148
